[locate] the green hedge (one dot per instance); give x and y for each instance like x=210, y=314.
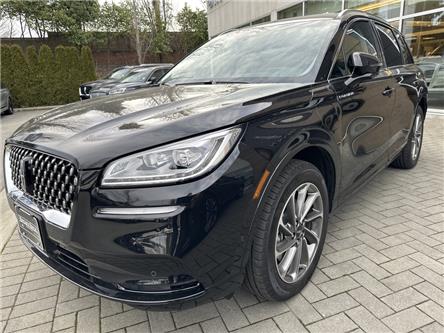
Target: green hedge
x=43, y=77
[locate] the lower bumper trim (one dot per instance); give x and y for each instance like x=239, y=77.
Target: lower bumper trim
x=108, y=290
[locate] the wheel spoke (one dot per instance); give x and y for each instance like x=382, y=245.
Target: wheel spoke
x=284, y=228
x=284, y=265
x=308, y=204
x=285, y=245
x=312, y=236
x=294, y=268
x=302, y=195
x=313, y=216
x=292, y=209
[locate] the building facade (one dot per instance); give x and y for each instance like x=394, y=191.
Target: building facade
x=421, y=22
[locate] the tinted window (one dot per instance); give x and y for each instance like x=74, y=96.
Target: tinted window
x=406, y=55
x=118, y=73
x=278, y=52
x=390, y=46
x=359, y=37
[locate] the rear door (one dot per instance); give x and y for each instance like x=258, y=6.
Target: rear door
x=366, y=108
x=404, y=75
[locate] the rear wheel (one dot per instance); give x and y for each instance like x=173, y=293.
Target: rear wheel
x=409, y=155
x=289, y=232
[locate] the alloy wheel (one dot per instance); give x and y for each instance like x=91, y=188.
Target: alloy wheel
x=298, y=232
x=417, y=136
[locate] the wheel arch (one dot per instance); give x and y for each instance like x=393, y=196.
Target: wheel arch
x=322, y=160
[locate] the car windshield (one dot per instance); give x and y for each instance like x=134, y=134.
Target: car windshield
x=282, y=52
x=137, y=76
x=118, y=73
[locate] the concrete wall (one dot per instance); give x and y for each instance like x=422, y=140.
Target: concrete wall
x=228, y=14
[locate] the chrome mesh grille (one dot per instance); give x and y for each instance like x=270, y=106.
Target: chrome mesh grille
x=53, y=182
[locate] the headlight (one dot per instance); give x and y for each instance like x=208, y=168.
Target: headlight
x=179, y=161
x=117, y=91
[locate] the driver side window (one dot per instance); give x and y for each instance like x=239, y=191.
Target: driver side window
x=359, y=37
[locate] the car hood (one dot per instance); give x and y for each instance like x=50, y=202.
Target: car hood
x=97, y=83
x=93, y=132
x=115, y=85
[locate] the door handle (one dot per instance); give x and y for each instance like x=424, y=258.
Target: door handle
x=387, y=91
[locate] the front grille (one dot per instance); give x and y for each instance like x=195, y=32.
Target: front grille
x=47, y=180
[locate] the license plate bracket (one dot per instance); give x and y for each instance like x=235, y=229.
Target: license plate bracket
x=29, y=228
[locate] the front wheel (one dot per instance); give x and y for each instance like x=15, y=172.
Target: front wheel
x=288, y=233
x=409, y=155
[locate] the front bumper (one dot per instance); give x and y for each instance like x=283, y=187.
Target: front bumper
x=118, y=244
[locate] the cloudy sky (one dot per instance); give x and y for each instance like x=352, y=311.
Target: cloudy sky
x=5, y=26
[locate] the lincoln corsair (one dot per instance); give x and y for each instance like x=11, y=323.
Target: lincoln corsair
x=226, y=173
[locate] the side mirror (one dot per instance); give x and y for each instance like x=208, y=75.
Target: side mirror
x=364, y=63
x=149, y=82
x=364, y=66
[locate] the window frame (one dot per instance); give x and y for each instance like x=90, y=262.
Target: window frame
x=347, y=26
x=387, y=26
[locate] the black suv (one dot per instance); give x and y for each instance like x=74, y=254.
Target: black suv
x=227, y=172
x=115, y=77
x=138, y=78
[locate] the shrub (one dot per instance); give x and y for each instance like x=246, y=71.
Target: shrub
x=46, y=72
x=45, y=78
x=74, y=77
x=19, y=77
x=5, y=65
x=61, y=75
x=34, y=78
x=87, y=65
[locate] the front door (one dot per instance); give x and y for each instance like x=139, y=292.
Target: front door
x=366, y=108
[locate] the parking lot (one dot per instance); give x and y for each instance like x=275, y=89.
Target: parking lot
x=382, y=270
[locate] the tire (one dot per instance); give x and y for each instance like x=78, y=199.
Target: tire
x=10, y=107
x=409, y=156
x=266, y=274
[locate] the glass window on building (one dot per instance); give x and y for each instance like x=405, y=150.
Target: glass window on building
x=322, y=6
x=425, y=36
x=415, y=6
x=262, y=20
x=292, y=11
x=386, y=9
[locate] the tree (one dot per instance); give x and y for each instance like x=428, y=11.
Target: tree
x=74, y=18
x=34, y=79
x=194, y=26
x=71, y=17
x=114, y=19
x=150, y=20
x=46, y=72
x=19, y=76
x=88, y=70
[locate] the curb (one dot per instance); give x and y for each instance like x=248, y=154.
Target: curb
x=37, y=108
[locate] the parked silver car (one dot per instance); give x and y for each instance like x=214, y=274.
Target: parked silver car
x=5, y=100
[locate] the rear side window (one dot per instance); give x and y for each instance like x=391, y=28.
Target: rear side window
x=390, y=47
x=406, y=55
x=359, y=37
